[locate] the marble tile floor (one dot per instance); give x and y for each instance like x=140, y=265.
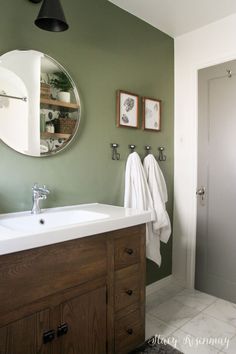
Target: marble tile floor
x=191, y=321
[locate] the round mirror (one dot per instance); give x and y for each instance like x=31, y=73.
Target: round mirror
x=39, y=103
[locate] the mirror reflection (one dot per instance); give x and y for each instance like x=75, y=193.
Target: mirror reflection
x=39, y=104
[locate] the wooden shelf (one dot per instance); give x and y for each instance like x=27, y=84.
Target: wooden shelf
x=47, y=135
x=56, y=103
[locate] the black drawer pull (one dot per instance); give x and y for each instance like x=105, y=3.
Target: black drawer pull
x=129, y=292
x=130, y=331
x=48, y=336
x=129, y=251
x=62, y=329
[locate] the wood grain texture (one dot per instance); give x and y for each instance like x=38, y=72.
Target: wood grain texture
x=47, y=270
x=127, y=247
x=125, y=341
x=127, y=286
x=130, y=312
x=82, y=283
x=50, y=301
x=26, y=335
x=86, y=319
x=57, y=103
x=142, y=280
x=110, y=296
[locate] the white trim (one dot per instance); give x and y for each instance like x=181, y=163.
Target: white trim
x=152, y=288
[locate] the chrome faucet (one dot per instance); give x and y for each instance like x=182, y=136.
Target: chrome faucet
x=38, y=193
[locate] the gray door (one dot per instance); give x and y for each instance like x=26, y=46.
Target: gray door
x=216, y=198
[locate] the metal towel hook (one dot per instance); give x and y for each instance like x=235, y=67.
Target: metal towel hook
x=115, y=154
x=148, y=148
x=161, y=156
x=132, y=147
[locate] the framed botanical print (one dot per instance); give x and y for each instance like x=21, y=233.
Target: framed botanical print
x=127, y=109
x=151, y=114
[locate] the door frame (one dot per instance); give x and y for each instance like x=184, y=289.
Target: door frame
x=192, y=226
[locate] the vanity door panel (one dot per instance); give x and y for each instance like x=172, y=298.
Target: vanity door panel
x=82, y=325
x=25, y=336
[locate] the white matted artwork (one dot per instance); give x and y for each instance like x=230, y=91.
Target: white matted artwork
x=127, y=109
x=151, y=114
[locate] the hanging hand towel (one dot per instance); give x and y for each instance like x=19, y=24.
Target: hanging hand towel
x=158, y=190
x=137, y=195
x=161, y=224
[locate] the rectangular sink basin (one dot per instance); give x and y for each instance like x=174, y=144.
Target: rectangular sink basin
x=23, y=231
x=50, y=220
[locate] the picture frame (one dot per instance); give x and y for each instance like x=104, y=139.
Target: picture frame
x=151, y=114
x=127, y=109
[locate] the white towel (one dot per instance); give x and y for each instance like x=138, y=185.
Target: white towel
x=43, y=146
x=158, y=190
x=137, y=195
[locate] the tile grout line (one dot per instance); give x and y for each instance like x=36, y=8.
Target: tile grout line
x=202, y=311
x=167, y=325
x=199, y=312
x=176, y=328
x=229, y=343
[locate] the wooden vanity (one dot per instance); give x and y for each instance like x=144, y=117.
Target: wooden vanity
x=83, y=296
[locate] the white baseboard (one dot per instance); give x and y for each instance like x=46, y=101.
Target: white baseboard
x=159, y=284
x=180, y=281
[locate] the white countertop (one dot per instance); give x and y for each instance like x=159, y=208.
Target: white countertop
x=12, y=240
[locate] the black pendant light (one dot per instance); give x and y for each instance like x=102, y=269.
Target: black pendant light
x=51, y=16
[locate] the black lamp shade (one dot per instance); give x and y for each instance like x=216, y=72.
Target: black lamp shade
x=51, y=17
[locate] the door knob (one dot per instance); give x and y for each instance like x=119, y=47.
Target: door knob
x=201, y=191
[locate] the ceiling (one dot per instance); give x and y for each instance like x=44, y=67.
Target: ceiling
x=176, y=17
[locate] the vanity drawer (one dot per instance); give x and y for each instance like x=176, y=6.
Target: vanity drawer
x=129, y=332
x=127, y=247
x=127, y=286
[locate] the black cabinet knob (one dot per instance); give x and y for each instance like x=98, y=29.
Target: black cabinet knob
x=129, y=292
x=48, y=336
x=62, y=329
x=129, y=251
x=130, y=331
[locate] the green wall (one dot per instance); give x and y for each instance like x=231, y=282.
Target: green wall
x=105, y=49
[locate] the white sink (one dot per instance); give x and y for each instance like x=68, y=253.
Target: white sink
x=49, y=220
x=23, y=231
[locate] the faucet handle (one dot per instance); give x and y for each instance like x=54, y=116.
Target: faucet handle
x=35, y=186
x=45, y=189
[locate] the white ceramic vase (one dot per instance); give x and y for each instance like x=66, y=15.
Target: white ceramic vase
x=64, y=96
